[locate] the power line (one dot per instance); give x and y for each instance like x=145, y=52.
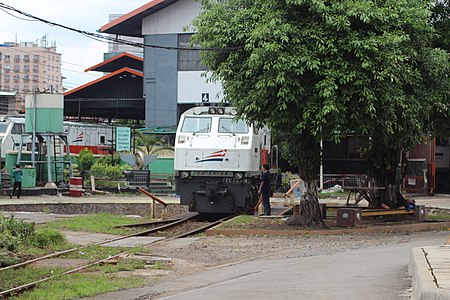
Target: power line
x=30, y=20
x=102, y=38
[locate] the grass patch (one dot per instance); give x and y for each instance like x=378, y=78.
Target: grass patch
x=101, y=252
x=241, y=220
x=101, y=223
x=15, y=277
x=80, y=285
x=437, y=217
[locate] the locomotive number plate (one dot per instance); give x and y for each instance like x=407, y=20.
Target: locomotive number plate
x=233, y=180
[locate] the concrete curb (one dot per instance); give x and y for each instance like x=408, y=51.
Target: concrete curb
x=422, y=278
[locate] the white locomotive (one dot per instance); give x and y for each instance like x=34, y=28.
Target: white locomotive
x=218, y=160
x=95, y=137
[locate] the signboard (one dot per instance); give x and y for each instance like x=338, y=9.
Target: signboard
x=205, y=97
x=123, y=139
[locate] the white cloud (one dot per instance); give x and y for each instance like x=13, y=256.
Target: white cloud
x=78, y=52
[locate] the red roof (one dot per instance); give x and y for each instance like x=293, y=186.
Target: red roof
x=101, y=67
x=130, y=24
x=113, y=74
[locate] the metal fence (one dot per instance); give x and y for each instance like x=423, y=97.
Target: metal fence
x=347, y=180
x=137, y=178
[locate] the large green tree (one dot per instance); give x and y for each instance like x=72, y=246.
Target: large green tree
x=321, y=69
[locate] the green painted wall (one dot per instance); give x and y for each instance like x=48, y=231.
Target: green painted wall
x=48, y=120
x=162, y=166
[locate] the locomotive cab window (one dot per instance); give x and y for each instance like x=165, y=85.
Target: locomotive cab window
x=230, y=125
x=17, y=129
x=196, y=125
x=102, y=139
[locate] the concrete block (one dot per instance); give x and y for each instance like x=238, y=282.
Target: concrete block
x=348, y=217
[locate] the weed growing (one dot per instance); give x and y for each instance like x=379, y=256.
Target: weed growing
x=101, y=223
x=80, y=285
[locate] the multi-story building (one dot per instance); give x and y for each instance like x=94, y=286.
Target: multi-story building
x=27, y=67
x=173, y=77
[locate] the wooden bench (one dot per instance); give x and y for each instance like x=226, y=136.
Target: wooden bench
x=385, y=212
x=352, y=216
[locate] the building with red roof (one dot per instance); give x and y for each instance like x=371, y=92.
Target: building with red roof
x=116, y=95
x=172, y=78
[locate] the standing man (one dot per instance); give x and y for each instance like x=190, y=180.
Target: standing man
x=264, y=189
x=17, y=174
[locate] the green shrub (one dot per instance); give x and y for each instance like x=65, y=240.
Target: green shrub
x=14, y=232
x=47, y=237
x=86, y=159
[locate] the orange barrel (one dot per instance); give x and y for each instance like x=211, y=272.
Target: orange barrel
x=76, y=186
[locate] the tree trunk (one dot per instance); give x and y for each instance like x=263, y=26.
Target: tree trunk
x=310, y=213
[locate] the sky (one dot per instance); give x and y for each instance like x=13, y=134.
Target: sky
x=78, y=51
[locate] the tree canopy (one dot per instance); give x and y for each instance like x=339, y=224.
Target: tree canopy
x=325, y=69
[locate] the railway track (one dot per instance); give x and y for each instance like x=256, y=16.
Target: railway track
x=166, y=225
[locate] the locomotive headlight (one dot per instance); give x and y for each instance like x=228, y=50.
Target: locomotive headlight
x=238, y=175
x=181, y=139
x=220, y=111
x=184, y=174
x=244, y=140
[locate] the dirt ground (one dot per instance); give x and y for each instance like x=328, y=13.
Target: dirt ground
x=212, y=251
x=206, y=252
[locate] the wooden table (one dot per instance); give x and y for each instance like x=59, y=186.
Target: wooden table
x=363, y=192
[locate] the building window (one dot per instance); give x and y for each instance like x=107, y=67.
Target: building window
x=7, y=68
x=26, y=78
x=35, y=78
x=16, y=78
x=16, y=68
x=17, y=57
x=35, y=68
x=36, y=57
x=26, y=88
x=188, y=60
x=26, y=68
x=1, y=56
x=6, y=78
x=26, y=57
x=16, y=87
x=7, y=57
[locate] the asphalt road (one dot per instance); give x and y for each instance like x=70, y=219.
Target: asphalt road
x=370, y=273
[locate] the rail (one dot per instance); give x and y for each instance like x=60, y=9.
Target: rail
x=34, y=283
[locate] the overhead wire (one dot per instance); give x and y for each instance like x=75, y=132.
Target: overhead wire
x=103, y=38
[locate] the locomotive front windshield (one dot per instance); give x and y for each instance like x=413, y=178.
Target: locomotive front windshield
x=3, y=127
x=196, y=125
x=230, y=125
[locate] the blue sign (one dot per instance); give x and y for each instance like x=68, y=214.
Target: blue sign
x=123, y=139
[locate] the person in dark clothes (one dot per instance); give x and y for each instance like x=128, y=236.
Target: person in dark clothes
x=402, y=203
x=17, y=175
x=264, y=189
